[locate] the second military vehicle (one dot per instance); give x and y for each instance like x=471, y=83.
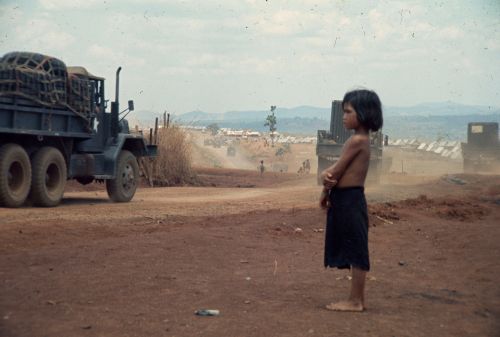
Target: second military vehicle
x=482, y=150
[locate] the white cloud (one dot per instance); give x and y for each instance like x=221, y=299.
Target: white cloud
x=422, y=27
x=319, y=42
x=114, y=56
x=203, y=60
x=65, y=4
x=43, y=35
x=466, y=64
x=285, y=22
x=174, y=71
x=258, y=65
x=380, y=24
x=11, y=14
x=355, y=47
x=492, y=44
x=228, y=65
x=308, y=59
x=450, y=32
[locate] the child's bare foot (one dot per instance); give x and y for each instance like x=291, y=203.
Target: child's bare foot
x=345, y=306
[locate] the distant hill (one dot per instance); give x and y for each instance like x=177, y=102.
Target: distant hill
x=426, y=121
x=441, y=109
x=257, y=115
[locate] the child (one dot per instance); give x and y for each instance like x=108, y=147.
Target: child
x=346, y=235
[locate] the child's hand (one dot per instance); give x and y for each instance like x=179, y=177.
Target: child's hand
x=328, y=182
x=324, y=203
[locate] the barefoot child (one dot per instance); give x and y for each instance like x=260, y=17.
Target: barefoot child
x=346, y=235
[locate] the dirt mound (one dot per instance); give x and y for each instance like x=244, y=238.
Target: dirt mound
x=448, y=208
x=382, y=213
x=466, y=209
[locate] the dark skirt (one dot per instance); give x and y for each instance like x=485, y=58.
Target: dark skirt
x=346, y=235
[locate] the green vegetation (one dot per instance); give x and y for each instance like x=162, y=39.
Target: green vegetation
x=213, y=128
x=271, y=123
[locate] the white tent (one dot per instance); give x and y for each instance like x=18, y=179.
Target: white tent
x=439, y=150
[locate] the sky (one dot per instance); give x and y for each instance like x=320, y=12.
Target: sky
x=225, y=55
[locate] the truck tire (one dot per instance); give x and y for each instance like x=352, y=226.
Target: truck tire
x=49, y=177
x=15, y=175
x=122, y=188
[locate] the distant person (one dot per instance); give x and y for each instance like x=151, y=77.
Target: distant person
x=261, y=167
x=346, y=235
x=307, y=166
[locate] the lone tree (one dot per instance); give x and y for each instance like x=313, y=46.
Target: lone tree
x=213, y=128
x=271, y=122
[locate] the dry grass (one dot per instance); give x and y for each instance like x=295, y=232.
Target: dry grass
x=172, y=166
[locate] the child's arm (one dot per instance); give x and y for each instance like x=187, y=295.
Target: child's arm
x=351, y=149
x=323, y=199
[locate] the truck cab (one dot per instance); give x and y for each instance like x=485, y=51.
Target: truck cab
x=482, y=150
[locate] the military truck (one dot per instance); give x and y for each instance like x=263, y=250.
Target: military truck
x=482, y=150
x=329, y=145
x=54, y=127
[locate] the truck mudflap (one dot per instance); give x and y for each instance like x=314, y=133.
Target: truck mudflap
x=152, y=151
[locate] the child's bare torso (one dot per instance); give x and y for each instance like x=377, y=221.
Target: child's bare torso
x=355, y=173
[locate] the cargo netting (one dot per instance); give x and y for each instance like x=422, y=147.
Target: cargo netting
x=79, y=93
x=44, y=80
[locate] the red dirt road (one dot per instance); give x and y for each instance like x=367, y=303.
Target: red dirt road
x=93, y=268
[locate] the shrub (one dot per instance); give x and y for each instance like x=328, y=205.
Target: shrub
x=172, y=166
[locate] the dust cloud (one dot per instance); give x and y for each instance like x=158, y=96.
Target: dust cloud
x=400, y=166
x=214, y=152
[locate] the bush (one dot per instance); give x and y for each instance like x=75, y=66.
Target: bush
x=172, y=166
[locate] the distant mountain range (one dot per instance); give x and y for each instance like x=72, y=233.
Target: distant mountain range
x=425, y=121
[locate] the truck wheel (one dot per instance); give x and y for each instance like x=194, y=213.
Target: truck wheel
x=15, y=175
x=122, y=188
x=49, y=177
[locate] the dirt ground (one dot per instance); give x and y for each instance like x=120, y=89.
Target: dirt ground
x=252, y=247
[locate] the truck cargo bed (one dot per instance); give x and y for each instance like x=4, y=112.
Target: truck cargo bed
x=22, y=116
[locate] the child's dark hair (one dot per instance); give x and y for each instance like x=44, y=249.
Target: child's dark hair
x=368, y=107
